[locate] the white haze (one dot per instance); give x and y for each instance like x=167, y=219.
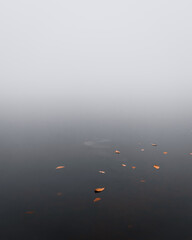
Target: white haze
x=95, y=56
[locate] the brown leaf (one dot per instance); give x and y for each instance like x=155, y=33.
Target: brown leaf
x=154, y=144
x=99, y=190
x=59, y=193
x=96, y=199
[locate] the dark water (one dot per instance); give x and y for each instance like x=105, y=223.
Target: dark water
x=39, y=202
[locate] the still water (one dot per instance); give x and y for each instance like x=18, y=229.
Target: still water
x=40, y=202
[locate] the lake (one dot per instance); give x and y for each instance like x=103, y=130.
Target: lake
x=139, y=201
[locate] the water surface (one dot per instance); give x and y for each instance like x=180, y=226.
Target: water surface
x=40, y=202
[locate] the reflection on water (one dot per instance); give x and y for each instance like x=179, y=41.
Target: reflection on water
x=95, y=181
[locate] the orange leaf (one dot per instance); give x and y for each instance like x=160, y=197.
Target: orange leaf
x=124, y=165
x=117, y=151
x=142, y=181
x=59, y=167
x=96, y=199
x=165, y=153
x=156, y=166
x=29, y=212
x=99, y=189
x=133, y=167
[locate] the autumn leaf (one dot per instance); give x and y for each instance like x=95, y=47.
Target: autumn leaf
x=154, y=144
x=99, y=190
x=156, y=166
x=133, y=167
x=142, y=149
x=165, y=153
x=142, y=181
x=117, y=151
x=103, y=172
x=124, y=165
x=96, y=199
x=29, y=212
x=59, y=167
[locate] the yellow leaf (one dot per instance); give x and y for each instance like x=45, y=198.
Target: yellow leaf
x=99, y=189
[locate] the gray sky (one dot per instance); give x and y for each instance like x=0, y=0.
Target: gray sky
x=95, y=49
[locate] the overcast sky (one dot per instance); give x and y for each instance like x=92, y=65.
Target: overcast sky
x=99, y=48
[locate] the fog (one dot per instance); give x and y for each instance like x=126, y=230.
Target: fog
x=95, y=56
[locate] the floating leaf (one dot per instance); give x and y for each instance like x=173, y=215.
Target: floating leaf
x=142, y=149
x=165, y=153
x=156, y=166
x=124, y=165
x=142, y=181
x=133, y=167
x=154, y=144
x=96, y=199
x=59, y=167
x=99, y=190
x=117, y=151
x=103, y=172
x=29, y=212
